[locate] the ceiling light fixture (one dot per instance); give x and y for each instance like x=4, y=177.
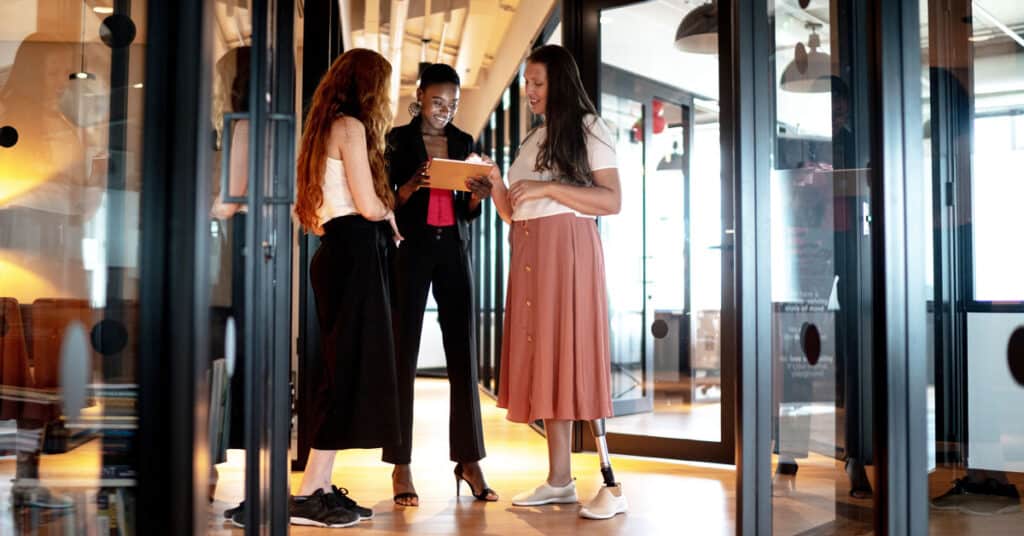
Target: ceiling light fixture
x=810, y=71
x=698, y=31
x=82, y=74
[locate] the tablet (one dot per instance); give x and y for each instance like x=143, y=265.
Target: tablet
x=452, y=174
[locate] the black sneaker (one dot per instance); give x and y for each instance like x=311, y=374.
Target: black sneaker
x=980, y=498
x=320, y=510
x=340, y=496
x=236, y=515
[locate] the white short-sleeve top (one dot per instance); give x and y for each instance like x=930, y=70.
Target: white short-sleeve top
x=600, y=153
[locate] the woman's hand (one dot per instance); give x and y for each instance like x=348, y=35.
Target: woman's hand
x=394, y=227
x=526, y=190
x=498, y=191
x=494, y=174
x=420, y=179
x=479, y=187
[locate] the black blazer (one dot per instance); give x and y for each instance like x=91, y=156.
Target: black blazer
x=405, y=153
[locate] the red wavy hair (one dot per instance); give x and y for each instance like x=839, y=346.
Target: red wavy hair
x=356, y=85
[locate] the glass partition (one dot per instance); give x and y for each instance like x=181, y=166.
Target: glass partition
x=71, y=119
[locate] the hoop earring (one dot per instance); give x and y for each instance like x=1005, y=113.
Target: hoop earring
x=415, y=108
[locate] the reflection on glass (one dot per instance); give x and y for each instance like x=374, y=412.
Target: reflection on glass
x=625, y=269
x=974, y=97
x=665, y=274
x=69, y=244
x=228, y=220
x=821, y=273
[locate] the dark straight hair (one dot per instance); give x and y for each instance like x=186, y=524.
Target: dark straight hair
x=564, y=152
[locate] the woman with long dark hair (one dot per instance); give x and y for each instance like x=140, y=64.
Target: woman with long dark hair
x=435, y=255
x=344, y=195
x=555, y=358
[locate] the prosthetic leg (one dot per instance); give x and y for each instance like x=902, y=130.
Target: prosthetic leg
x=610, y=500
x=597, y=427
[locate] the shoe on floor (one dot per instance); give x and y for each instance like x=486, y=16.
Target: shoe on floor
x=547, y=494
x=987, y=498
x=320, y=510
x=341, y=497
x=607, y=504
x=236, y=515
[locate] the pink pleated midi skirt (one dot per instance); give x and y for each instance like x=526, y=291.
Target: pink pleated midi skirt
x=555, y=354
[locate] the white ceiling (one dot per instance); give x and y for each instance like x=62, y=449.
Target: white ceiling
x=639, y=38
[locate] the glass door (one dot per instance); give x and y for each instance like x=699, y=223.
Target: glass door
x=253, y=116
x=71, y=182
x=670, y=379
x=973, y=134
x=822, y=184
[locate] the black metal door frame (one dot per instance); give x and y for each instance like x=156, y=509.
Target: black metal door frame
x=266, y=337
x=172, y=451
x=900, y=500
x=581, y=33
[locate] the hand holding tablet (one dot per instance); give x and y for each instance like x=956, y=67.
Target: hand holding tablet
x=453, y=174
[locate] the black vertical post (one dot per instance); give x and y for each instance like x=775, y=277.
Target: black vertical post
x=581, y=30
x=116, y=164
x=746, y=131
x=488, y=308
x=900, y=377
x=173, y=290
x=500, y=141
x=282, y=87
x=685, y=344
x=952, y=112
x=479, y=230
x=113, y=365
x=253, y=340
x=321, y=45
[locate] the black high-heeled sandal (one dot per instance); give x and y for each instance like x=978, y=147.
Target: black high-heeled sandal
x=405, y=495
x=482, y=496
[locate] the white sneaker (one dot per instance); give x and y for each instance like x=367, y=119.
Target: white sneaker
x=547, y=494
x=608, y=502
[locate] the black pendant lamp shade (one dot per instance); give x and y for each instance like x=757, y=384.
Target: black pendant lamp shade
x=698, y=31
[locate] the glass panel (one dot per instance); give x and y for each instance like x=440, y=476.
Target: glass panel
x=821, y=270
x=666, y=299
x=998, y=147
x=229, y=218
x=71, y=116
x=705, y=278
x=625, y=269
x=974, y=98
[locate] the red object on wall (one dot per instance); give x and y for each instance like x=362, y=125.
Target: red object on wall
x=658, y=108
x=658, y=126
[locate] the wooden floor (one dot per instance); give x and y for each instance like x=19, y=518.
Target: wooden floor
x=665, y=497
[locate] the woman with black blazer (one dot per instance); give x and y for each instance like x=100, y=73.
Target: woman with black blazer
x=435, y=224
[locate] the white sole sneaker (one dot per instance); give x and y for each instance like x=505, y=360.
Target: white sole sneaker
x=608, y=503
x=560, y=500
x=547, y=494
x=314, y=523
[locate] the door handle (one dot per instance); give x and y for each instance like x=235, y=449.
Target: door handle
x=285, y=121
x=225, y=163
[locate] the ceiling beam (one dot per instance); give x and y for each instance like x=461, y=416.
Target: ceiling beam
x=399, y=14
x=476, y=34
x=371, y=25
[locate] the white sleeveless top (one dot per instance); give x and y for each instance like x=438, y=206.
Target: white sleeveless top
x=337, y=197
x=600, y=154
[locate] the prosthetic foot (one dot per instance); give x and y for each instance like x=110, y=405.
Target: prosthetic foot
x=610, y=500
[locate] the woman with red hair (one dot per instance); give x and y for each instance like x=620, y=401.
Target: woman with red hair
x=344, y=195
